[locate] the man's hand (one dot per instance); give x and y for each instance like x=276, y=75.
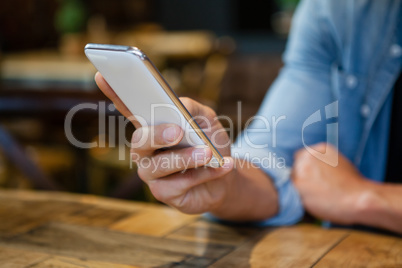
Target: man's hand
x=238, y=194
x=176, y=176
x=329, y=193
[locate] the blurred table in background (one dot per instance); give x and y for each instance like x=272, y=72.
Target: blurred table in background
x=70, y=70
x=45, y=71
x=162, y=44
x=57, y=76
x=39, y=229
x=39, y=88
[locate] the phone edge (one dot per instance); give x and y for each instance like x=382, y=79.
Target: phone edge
x=175, y=99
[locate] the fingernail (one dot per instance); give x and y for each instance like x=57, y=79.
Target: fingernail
x=170, y=134
x=227, y=162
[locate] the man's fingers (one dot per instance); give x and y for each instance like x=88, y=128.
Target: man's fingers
x=172, y=161
x=171, y=189
x=146, y=140
x=198, y=110
x=109, y=92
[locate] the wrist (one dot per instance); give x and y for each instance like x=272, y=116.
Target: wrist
x=223, y=206
x=367, y=203
x=249, y=196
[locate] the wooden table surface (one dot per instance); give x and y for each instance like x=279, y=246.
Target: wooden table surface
x=39, y=229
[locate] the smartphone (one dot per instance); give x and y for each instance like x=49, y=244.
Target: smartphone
x=141, y=87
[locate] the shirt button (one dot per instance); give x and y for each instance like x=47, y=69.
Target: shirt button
x=365, y=110
x=395, y=50
x=351, y=81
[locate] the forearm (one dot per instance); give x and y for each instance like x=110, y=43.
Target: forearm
x=378, y=205
x=251, y=195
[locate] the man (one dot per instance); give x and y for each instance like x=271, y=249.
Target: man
x=342, y=62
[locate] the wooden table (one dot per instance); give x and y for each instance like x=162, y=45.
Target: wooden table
x=67, y=230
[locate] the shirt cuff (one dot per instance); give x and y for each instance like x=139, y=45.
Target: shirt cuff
x=291, y=208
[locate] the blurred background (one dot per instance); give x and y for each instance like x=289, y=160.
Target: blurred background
x=219, y=52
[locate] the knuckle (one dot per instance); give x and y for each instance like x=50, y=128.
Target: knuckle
x=156, y=191
x=189, y=177
x=135, y=157
x=304, y=168
x=191, y=105
x=302, y=165
x=162, y=170
x=300, y=154
x=161, y=193
x=297, y=174
x=165, y=162
x=321, y=147
x=136, y=137
x=185, y=100
x=208, y=112
x=134, y=151
x=144, y=167
x=142, y=173
x=179, y=203
x=211, y=112
x=322, y=144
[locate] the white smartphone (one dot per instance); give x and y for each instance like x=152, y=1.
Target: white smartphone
x=144, y=91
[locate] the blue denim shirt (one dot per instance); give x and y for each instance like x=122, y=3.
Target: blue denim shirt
x=341, y=62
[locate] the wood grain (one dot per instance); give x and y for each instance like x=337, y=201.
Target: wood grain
x=43, y=230
x=361, y=249
x=298, y=246
x=203, y=230
x=18, y=216
x=63, y=262
x=110, y=246
x=16, y=258
x=156, y=221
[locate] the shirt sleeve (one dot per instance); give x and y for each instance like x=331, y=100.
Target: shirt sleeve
x=290, y=205
x=302, y=88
